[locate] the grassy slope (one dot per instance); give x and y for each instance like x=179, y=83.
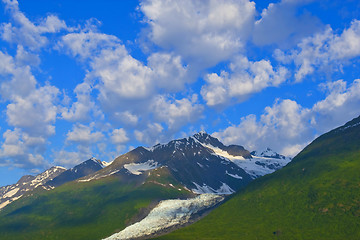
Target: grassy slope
x=317, y=196
x=91, y=210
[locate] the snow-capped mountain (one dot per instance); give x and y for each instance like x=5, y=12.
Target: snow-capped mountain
x=200, y=162
x=180, y=168
x=264, y=162
x=27, y=183
x=83, y=169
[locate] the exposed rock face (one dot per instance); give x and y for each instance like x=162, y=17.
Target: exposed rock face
x=200, y=162
x=88, y=167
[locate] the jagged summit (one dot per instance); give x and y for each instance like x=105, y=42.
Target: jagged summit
x=83, y=169
x=201, y=162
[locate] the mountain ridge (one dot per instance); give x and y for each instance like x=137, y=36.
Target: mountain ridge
x=27, y=183
x=207, y=165
x=316, y=196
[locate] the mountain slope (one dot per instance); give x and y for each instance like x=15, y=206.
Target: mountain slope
x=87, y=210
x=316, y=196
x=83, y=169
x=105, y=199
x=200, y=162
x=26, y=184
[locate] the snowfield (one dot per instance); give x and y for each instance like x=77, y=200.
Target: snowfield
x=256, y=166
x=139, y=168
x=223, y=189
x=167, y=214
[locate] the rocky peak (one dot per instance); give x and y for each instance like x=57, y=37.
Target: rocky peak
x=205, y=138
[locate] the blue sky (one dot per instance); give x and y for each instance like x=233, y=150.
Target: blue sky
x=98, y=78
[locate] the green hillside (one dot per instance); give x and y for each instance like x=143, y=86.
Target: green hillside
x=316, y=196
x=88, y=210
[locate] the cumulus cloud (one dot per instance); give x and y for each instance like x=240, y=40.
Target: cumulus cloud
x=126, y=117
x=125, y=85
x=80, y=110
x=19, y=149
x=17, y=80
x=283, y=25
x=24, y=32
x=325, y=51
x=69, y=159
x=35, y=113
x=246, y=78
x=121, y=76
x=151, y=135
x=176, y=113
x=87, y=43
x=280, y=127
x=168, y=71
x=341, y=104
x=83, y=134
x=202, y=32
x=119, y=136
x=288, y=127
x=31, y=109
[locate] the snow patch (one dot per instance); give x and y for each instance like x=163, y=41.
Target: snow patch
x=223, y=153
x=167, y=214
x=105, y=164
x=350, y=126
x=139, y=168
x=224, y=189
x=57, y=168
x=2, y=205
x=234, y=175
x=11, y=193
x=97, y=176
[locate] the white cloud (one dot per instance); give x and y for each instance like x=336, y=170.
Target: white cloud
x=168, y=71
x=87, y=43
x=17, y=80
x=84, y=135
x=24, y=32
x=21, y=150
x=176, y=113
x=245, y=79
x=126, y=117
x=325, y=51
x=125, y=85
x=341, y=105
x=70, y=159
x=280, y=127
x=31, y=107
x=288, y=127
x=81, y=109
x=121, y=76
x=202, y=32
x=119, y=136
x=151, y=135
x=282, y=24
x=24, y=57
x=35, y=113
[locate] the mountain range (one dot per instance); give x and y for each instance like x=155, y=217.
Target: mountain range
x=316, y=196
x=195, y=188
x=178, y=169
